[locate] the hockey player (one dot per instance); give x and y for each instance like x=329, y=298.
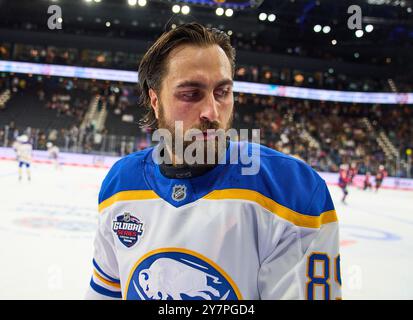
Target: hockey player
x=352, y=172
x=15, y=146
x=343, y=181
x=367, y=182
x=380, y=175
x=208, y=231
x=53, y=154
x=24, y=155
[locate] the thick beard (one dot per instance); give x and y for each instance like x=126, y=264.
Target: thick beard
x=163, y=124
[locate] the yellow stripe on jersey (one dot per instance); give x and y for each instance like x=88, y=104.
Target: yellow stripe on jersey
x=126, y=196
x=294, y=217
x=107, y=282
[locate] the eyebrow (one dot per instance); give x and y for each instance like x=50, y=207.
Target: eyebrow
x=197, y=84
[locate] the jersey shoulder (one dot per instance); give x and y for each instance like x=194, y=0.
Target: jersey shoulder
x=286, y=180
x=126, y=174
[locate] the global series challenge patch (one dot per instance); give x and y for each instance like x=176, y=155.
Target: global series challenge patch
x=129, y=229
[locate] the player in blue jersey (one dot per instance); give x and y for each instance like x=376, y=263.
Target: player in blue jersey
x=199, y=230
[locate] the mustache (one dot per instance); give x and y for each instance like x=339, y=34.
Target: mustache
x=204, y=126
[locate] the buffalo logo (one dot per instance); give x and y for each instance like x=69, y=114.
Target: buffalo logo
x=128, y=229
x=179, y=274
x=179, y=192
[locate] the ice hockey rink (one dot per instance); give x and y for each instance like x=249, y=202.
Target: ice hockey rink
x=47, y=227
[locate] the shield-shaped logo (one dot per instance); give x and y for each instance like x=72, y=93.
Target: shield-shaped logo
x=126, y=217
x=128, y=228
x=179, y=192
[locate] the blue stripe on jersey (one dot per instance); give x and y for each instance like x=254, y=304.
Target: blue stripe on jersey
x=282, y=178
x=103, y=273
x=126, y=174
x=104, y=291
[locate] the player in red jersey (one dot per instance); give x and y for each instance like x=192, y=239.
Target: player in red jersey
x=343, y=181
x=367, y=182
x=352, y=172
x=380, y=175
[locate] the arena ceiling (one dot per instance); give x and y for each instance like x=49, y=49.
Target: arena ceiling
x=291, y=29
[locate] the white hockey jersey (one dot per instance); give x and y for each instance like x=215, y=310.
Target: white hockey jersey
x=53, y=152
x=24, y=152
x=218, y=236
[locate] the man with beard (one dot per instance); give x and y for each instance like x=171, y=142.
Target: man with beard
x=174, y=228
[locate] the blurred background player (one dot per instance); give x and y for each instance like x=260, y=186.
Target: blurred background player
x=24, y=155
x=343, y=181
x=15, y=147
x=352, y=172
x=53, y=154
x=380, y=175
x=367, y=182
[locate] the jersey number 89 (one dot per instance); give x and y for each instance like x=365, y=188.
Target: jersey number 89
x=323, y=280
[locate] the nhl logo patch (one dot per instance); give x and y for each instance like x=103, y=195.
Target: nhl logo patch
x=129, y=229
x=179, y=192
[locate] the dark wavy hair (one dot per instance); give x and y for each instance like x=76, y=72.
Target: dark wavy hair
x=153, y=65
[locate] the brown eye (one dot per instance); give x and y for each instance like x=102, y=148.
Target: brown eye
x=222, y=93
x=189, y=94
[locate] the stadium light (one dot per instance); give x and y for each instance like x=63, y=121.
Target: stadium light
x=317, y=28
x=271, y=18
x=326, y=29
x=97, y=1
x=185, y=9
x=176, y=8
x=107, y=24
x=262, y=16
x=219, y=11
x=334, y=42
x=359, y=33
x=229, y=32
x=409, y=10
x=142, y=3
x=369, y=28
x=229, y=12
x=132, y=2
x=356, y=55
x=88, y=0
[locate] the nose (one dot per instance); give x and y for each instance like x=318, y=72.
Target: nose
x=209, y=109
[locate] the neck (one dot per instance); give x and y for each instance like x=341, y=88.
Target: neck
x=185, y=171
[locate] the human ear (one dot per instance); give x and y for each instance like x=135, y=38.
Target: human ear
x=154, y=102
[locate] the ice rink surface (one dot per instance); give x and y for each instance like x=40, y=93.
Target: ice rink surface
x=47, y=227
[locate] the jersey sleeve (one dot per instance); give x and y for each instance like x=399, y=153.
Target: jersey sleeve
x=105, y=283
x=304, y=261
